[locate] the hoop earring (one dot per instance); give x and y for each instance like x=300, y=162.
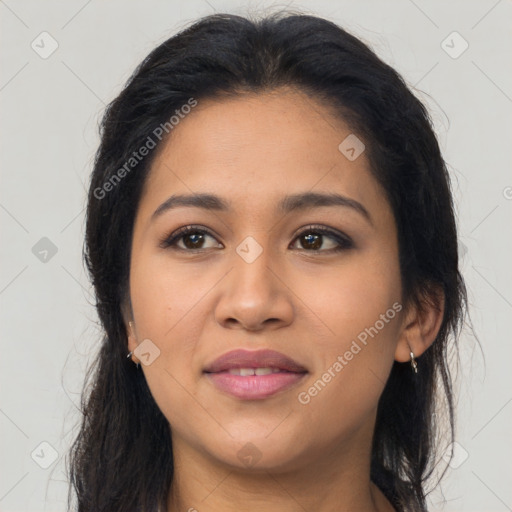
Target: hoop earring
x=129, y=356
x=414, y=364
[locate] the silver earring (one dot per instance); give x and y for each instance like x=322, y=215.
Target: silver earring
x=414, y=364
x=129, y=356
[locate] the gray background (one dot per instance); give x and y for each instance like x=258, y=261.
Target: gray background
x=50, y=110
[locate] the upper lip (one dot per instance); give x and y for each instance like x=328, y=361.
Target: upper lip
x=254, y=359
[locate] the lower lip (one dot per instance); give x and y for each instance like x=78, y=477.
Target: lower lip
x=254, y=387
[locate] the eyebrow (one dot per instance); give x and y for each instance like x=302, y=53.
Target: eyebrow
x=290, y=203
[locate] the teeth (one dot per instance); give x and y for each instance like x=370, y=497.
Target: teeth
x=245, y=372
x=265, y=371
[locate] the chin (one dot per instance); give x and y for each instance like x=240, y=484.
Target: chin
x=259, y=453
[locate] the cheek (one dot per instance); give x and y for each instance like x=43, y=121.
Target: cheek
x=165, y=303
x=360, y=304
x=353, y=296
x=164, y=295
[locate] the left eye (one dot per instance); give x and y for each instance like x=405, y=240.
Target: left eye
x=313, y=239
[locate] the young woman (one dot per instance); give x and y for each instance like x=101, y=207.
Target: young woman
x=271, y=237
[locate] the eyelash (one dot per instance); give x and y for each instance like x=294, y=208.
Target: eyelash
x=344, y=241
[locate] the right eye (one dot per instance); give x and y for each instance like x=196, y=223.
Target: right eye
x=192, y=238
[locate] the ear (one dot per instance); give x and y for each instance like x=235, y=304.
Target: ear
x=421, y=323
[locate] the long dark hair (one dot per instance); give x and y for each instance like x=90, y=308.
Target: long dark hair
x=122, y=457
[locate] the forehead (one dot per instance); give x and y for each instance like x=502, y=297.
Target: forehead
x=255, y=148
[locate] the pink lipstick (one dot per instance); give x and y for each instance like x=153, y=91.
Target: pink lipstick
x=254, y=375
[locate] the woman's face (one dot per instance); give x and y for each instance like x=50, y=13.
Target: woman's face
x=265, y=277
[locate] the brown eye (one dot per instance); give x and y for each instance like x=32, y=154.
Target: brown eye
x=191, y=238
x=311, y=241
x=314, y=240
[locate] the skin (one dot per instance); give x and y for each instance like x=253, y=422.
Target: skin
x=305, y=301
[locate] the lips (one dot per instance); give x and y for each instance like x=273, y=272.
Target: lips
x=254, y=375
x=246, y=359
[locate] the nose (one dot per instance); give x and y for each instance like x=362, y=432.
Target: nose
x=254, y=296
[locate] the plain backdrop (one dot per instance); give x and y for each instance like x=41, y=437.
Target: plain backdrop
x=62, y=62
